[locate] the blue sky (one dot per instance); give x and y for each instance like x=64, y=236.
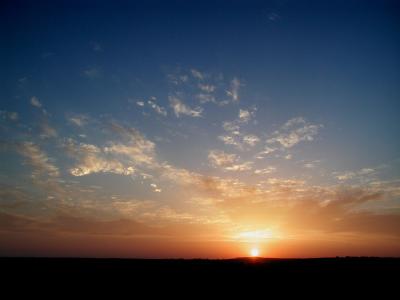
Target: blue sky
x=186, y=113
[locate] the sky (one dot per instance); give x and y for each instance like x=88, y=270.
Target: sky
x=203, y=129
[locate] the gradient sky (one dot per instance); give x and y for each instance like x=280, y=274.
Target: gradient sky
x=199, y=128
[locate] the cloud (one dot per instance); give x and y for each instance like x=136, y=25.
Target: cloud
x=9, y=115
x=273, y=17
x=137, y=147
x=233, y=92
x=123, y=157
x=156, y=189
x=227, y=162
x=91, y=159
x=267, y=150
x=38, y=159
x=267, y=170
x=153, y=105
x=160, y=110
x=79, y=120
x=234, y=134
x=204, y=98
x=47, y=131
x=293, y=132
x=181, y=108
x=35, y=102
x=228, y=140
x=75, y=224
x=240, y=167
x=244, y=115
x=251, y=139
x=354, y=174
x=197, y=74
x=218, y=158
x=92, y=73
x=207, y=88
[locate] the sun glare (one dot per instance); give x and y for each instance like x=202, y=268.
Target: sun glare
x=254, y=252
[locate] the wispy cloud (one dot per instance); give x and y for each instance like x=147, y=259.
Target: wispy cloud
x=79, y=120
x=9, y=115
x=91, y=159
x=197, y=74
x=38, y=159
x=218, y=158
x=93, y=72
x=122, y=157
x=263, y=171
x=233, y=92
x=234, y=134
x=47, y=131
x=294, y=131
x=342, y=176
x=228, y=162
x=181, y=108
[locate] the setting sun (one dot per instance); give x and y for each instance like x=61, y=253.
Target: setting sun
x=254, y=252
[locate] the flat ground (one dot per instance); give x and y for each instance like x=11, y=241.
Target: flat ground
x=335, y=272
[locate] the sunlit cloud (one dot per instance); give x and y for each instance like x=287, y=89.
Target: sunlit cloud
x=293, y=132
x=354, y=174
x=38, y=159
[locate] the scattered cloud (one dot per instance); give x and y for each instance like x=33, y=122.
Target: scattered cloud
x=234, y=135
x=181, y=108
x=218, y=158
x=47, y=131
x=35, y=102
x=159, y=109
x=8, y=115
x=91, y=159
x=197, y=74
x=263, y=171
x=207, y=88
x=156, y=189
x=226, y=161
x=293, y=132
x=116, y=157
x=79, y=120
x=233, y=92
x=354, y=174
x=265, y=152
x=38, y=159
x=251, y=139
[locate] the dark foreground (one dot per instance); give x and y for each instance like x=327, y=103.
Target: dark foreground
x=363, y=273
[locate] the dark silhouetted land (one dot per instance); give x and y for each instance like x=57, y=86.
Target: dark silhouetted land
x=334, y=271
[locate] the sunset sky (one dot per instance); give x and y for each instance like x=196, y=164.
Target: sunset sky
x=199, y=128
